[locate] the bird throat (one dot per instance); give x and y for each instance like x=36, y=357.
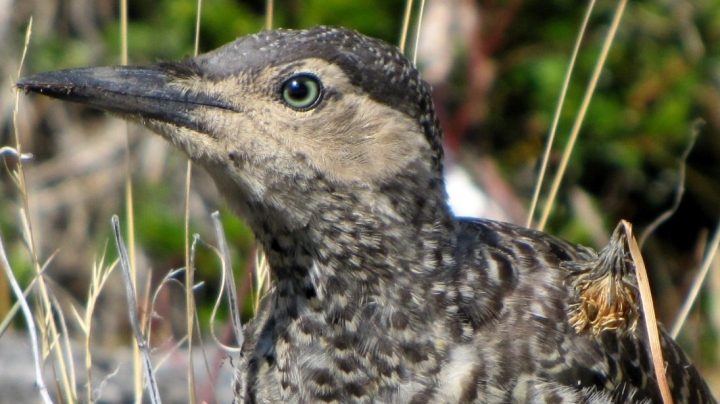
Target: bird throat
x=394, y=229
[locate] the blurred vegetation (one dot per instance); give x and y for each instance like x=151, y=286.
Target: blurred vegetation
x=660, y=78
x=663, y=73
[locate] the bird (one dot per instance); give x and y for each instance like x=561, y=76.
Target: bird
x=326, y=142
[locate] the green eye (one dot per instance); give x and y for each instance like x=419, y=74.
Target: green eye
x=301, y=91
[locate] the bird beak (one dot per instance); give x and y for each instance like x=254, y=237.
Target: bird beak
x=154, y=92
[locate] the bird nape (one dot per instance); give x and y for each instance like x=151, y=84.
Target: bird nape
x=326, y=143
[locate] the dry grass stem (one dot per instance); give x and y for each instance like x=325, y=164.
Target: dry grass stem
x=418, y=30
x=648, y=314
x=190, y=272
x=172, y=350
x=29, y=288
x=168, y=279
x=123, y=32
x=699, y=280
x=203, y=351
x=129, y=204
x=64, y=344
x=140, y=341
x=405, y=25
x=261, y=278
x=189, y=282
x=679, y=189
x=558, y=109
x=198, y=14
x=218, y=300
x=229, y=279
x=269, y=11
x=48, y=328
x=10, y=316
x=98, y=277
x=29, y=320
x=6, y=151
x=590, y=90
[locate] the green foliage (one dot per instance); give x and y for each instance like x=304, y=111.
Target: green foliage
x=653, y=88
x=381, y=19
x=52, y=52
x=160, y=230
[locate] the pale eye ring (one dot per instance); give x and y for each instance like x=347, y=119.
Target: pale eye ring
x=301, y=91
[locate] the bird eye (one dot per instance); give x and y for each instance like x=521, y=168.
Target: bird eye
x=301, y=91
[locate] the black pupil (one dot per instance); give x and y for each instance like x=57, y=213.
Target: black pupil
x=298, y=89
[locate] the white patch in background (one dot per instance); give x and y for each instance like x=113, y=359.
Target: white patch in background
x=467, y=199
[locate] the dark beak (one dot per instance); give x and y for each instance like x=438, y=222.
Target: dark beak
x=154, y=92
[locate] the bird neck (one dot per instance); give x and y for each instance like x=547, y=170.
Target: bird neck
x=400, y=228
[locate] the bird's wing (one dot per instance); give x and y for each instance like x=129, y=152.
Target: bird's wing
x=526, y=302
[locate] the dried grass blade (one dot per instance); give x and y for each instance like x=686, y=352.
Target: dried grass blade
x=679, y=189
x=418, y=30
x=587, y=97
x=405, y=25
x=558, y=109
x=132, y=311
x=710, y=255
x=648, y=314
x=29, y=320
x=231, y=292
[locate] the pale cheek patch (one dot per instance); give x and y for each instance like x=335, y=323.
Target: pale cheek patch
x=358, y=139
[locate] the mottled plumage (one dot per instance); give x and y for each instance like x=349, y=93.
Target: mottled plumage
x=380, y=294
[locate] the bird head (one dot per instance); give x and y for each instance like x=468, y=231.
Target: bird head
x=280, y=118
